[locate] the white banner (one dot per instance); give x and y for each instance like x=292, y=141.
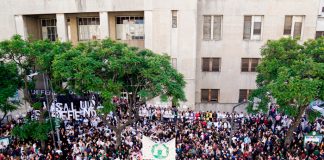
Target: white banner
x=158, y=151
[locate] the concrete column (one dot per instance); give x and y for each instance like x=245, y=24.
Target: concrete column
x=104, y=25
x=148, y=29
x=61, y=27
x=21, y=26
x=74, y=30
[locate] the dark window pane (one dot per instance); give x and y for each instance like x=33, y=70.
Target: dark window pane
x=98, y=21
x=247, y=27
x=205, y=64
x=288, y=24
x=215, y=64
x=257, y=28
x=297, y=29
x=43, y=23
x=243, y=95
x=214, y=95
x=217, y=27
x=204, y=95
x=254, y=64
x=319, y=34
x=174, y=22
x=245, y=65
x=207, y=28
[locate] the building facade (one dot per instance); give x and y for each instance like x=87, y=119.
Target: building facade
x=214, y=43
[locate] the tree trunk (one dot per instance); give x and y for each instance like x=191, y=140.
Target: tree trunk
x=42, y=120
x=118, y=138
x=43, y=146
x=3, y=117
x=294, y=125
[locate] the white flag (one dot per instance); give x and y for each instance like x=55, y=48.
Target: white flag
x=158, y=151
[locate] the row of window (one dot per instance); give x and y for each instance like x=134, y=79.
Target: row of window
x=127, y=28
x=252, y=27
x=214, y=64
x=212, y=95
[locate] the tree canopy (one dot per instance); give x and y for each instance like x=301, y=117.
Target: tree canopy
x=10, y=82
x=292, y=73
x=105, y=68
x=28, y=57
x=110, y=68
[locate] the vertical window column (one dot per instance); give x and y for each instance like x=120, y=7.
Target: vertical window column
x=174, y=18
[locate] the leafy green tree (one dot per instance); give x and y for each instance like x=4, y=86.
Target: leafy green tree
x=34, y=57
x=293, y=75
x=110, y=68
x=33, y=129
x=10, y=82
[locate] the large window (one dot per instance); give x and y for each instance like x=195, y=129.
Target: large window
x=212, y=27
x=252, y=27
x=129, y=28
x=244, y=94
x=293, y=26
x=89, y=28
x=210, y=64
x=49, y=30
x=209, y=95
x=249, y=64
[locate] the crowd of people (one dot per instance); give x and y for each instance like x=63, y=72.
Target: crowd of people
x=199, y=135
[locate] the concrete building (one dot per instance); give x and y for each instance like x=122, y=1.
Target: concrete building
x=214, y=43
x=320, y=20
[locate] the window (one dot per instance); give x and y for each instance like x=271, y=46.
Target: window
x=249, y=64
x=49, y=30
x=129, y=28
x=210, y=64
x=319, y=34
x=174, y=19
x=88, y=28
x=322, y=9
x=209, y=95
x=293, y=26
x=212, y=27
x=244, y=94
x=252, y=27
x=174, y=63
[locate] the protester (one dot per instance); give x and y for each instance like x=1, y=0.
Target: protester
x=199, y=135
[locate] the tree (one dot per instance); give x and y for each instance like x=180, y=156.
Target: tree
x=10, y=82
x=292, y=74
x=110, y=68
x=33, y=129
x=33, y=57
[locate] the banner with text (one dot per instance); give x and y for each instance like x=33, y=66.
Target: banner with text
x=71, y=107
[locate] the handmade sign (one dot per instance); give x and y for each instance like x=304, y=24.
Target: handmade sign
x=161, y=151
x=71, y=107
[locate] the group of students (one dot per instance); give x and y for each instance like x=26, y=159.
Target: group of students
x=199, y=135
